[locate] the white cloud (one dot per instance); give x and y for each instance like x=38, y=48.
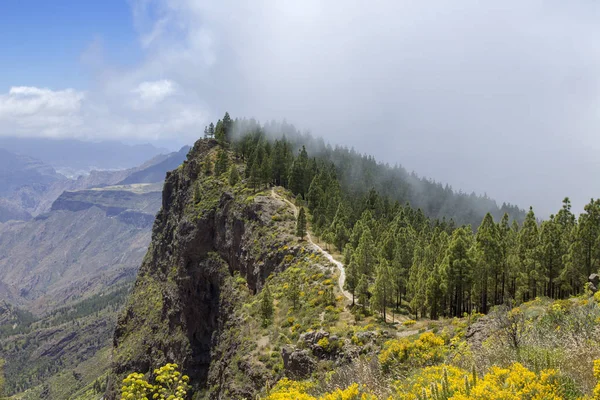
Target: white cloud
x=154, y=92
x=39, y=111
x=26, y=100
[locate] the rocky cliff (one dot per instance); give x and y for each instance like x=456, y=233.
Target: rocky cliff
x=205, y=233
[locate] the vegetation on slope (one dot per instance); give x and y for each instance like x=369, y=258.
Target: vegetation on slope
x=398, y=259
x=404, y=253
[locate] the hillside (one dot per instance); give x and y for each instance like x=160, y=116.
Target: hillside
x=230, y=240
x=66, y=273
x=17, y=171
x=84, y=243
x=235, y=293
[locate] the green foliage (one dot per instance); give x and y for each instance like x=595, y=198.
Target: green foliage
x=294, y=289
x=266, y=305
x=234, y=176
x=222, y=163
x=301, y=224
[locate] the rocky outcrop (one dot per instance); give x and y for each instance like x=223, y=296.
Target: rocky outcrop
x=200, y=237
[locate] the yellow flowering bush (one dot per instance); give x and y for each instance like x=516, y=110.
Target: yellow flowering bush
x=597, y=376
x=287, y=389
x=409, y=322
x=427, y=350
x=170, y=385
x=450, y=383
x=427, y=381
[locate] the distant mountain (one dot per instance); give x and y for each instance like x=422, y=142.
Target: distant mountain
x=73, y=156
x=156, y=172
x=28, y=187
x=20, y=170
x=90, y=240
x=10, y=211
x=86, y=232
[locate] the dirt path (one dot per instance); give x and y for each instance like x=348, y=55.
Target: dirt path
x=339, y=265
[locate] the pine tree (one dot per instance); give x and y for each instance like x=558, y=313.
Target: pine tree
x=362, y=291
x=266, y=304
x=220, y=132
x=222, y=163
x=529, y=253
x=301, y=224
x=298, y=175
x=294, y=288
x=254, y=176
x=382, y=287
x=551, y=255
x=207, y=167
x=234, y=176
x=227, y=127
x=489, y=262
x=365, y=256
x=417, y=280
x=588, y=235
x=403, y=259
x=265, y=171
x=435, y=279
x=458, y=268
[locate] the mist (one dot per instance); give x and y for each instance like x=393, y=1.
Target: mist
x=496, y=98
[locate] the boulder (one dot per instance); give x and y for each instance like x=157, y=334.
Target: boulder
x=594, y=280
x=298, y=364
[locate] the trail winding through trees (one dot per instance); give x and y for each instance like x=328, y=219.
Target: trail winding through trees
x=339, y=265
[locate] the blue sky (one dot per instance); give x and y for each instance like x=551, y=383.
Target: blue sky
x=42, y=41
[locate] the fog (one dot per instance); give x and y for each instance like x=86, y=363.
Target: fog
x=492, y=97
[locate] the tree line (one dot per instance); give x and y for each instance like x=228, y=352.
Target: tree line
x=397, y=255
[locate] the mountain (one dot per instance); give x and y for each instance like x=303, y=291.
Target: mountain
x=32, y=186
x=75, y=156
x=10, y=211
x=155, y=170
x=90, y=240
x=371, y=298
x=17, y=171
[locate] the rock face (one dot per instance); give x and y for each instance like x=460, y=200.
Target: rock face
x=201, y=236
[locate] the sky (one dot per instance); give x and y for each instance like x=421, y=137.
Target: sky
x=493, y=97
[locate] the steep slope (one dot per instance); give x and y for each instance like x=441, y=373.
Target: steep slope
x=208, y=239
